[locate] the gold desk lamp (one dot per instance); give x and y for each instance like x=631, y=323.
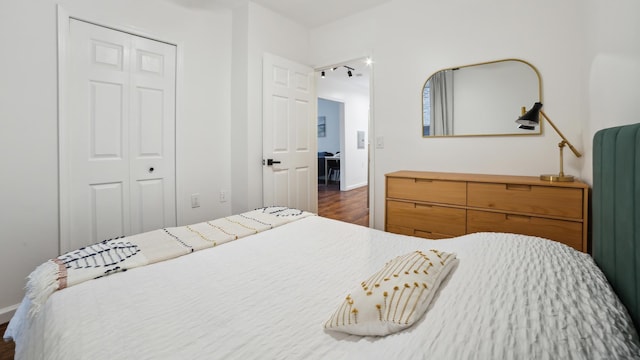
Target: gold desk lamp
x=530, y=120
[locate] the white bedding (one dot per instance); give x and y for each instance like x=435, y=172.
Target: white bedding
x=267, y=296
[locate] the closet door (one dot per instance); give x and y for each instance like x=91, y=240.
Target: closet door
x=119, y=135
x=152, y=135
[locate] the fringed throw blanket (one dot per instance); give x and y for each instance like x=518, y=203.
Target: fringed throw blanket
x=127, y=252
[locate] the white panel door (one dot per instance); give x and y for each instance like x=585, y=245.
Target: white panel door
x=152, y=135
x=289, y=135
x=119, y=158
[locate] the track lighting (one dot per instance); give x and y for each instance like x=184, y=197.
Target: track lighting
x=350, y=70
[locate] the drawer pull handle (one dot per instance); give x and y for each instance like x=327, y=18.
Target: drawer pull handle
x=512, y=217
x=423, y=206
x=424, y=180
x=518, y=187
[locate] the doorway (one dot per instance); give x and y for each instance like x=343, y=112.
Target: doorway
x=343, y=92
x=330, y=142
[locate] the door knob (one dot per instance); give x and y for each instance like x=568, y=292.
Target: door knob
x=270, y=162
x=151, y=169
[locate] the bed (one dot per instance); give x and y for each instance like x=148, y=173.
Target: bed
x=271, y=294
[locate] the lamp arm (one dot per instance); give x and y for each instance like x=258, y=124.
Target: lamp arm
x=573, y=149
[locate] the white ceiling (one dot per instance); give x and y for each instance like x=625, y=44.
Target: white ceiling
x=310, y=13
x=313, y=13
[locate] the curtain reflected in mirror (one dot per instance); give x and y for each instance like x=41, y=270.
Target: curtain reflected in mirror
x=479, y=99
x=442, y=103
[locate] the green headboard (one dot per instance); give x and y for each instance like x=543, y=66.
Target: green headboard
x=616, y=211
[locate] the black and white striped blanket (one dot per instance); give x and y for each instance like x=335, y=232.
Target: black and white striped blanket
x=127, y=252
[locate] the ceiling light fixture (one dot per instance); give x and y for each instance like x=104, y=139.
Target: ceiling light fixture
x=349, y=70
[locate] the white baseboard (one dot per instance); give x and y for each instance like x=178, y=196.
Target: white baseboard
x=355, y=186
x=7, y=313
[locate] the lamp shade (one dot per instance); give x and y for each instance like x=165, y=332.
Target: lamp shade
x=531, y=117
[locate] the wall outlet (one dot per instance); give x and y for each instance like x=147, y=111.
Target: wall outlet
x=195, y=200
x=223, y=196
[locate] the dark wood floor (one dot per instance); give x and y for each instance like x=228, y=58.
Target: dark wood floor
x=6, y=348
x=349, y=206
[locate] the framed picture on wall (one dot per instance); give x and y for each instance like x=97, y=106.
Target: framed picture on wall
x=322, y=126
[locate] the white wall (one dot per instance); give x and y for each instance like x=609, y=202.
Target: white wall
x=330, y=109
x=240, y=109
x=353, y=162
x=28, y=115
x=411, y=39
x=611, y=69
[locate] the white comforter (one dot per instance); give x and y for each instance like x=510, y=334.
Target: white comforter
x=267, y=296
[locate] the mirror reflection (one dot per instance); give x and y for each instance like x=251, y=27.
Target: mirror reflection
x=480, y=99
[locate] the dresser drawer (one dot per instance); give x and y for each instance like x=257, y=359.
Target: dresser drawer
x=566, y=232
x=533, y=199
x=437, y=191
x=413, y=232
x=429, y=219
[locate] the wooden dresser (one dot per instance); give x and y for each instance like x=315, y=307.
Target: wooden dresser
x=440, y=205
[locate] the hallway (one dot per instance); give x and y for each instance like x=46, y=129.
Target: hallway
x=349, y=206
